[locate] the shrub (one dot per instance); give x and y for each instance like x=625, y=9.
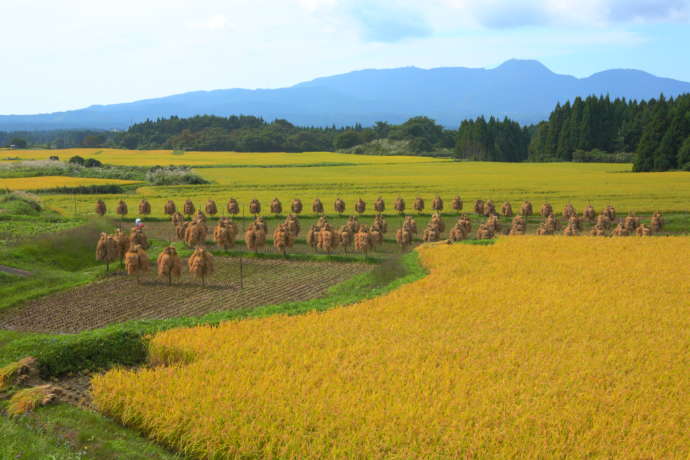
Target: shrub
x=173, y=175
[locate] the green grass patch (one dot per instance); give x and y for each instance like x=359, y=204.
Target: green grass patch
x=65, y=432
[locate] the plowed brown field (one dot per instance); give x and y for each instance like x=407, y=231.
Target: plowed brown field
x=119, y=298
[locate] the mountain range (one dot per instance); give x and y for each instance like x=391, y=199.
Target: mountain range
x=524, y=90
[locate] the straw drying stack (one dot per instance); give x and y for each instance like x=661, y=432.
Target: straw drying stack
x=456, y=204
x=379, y=205
x=549, y=226
x=489, y=208
x=376, y=237
x=144, y=208
x=465, y=223
x=457, y=233
x=360, y=206
x=575, y=221
x=169, y=208
x=317, y=206
x=507, y=209
x=282, y=240
x=122, y=240
x=313, y=236
x=107, y=250
x=188, y=208
x=363, y=240
x=631, y=223
x=181, y=230
x=254, y=207
x=418, y=204
x=657, y=222
x=276, y=207
x=136, y=261
x=643, y=230
x=526, y=209
x=438, y=222
x=121, y=209
x=176, y=218
x=399, y=205
x=620, y=230
x=138, y=237
x=589, y=213
x=484, y=232
x=195, y=233
x=570, y=230
x=200, y=216
x=100, y=208
x=201, y=264
x=410, y=225
x=255, y=236
x=546, y=210
x=437, y=204
x=293, y=225
x=260, y=223
x=211, y=208
x=603, y=221
x=233, y=207
x=479, y=207
x=327, y=239
x=518, y=226
x=493, y=224
x=610, y=212
x=380, y=224
x=431, y=233
x=569, y=211
x=346, y=237
x=598, y=230
x=296, y=206
x=169, y=264
x=224, y=234
x=339, y=206
x=404, y=237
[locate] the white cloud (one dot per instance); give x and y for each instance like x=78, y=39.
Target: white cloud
x=215, y=22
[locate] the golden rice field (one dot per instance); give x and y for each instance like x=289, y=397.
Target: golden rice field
x=268, y=175
x=47, y=182
x=168, y=157
x=529, y=348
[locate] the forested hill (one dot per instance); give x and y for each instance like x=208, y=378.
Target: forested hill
x=658, y=131
x=655, y=134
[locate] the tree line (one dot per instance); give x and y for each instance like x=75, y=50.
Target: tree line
x=656, y=131
x=654, y=135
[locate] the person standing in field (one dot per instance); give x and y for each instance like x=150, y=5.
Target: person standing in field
x=138, y=224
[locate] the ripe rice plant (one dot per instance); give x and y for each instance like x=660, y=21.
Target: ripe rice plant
x=443, y=367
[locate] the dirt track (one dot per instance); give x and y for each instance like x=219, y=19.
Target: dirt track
x=119, y=298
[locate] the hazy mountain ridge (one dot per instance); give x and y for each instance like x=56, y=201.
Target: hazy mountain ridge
x=526, y=91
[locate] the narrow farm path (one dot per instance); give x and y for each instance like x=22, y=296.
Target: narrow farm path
x=119, y=298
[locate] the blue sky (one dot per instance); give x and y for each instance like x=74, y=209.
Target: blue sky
x=66, y=54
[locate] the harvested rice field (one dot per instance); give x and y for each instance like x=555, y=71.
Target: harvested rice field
x=119, y=298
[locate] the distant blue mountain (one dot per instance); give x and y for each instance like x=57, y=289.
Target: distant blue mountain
x=526, y=91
